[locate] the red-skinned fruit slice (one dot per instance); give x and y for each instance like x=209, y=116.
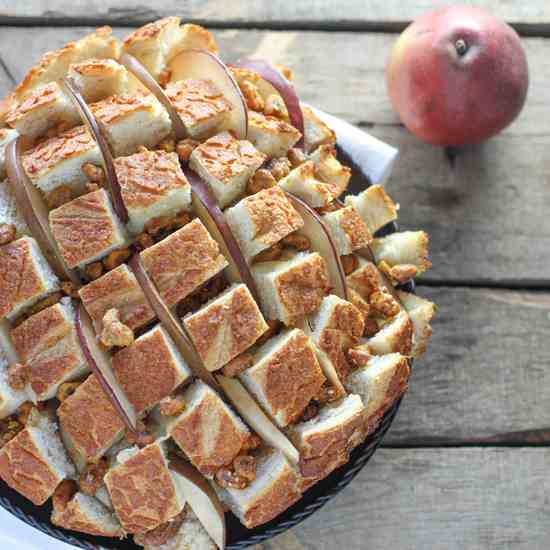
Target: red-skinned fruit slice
x=208, y=210
x=95, y=129
x=31, y=204
x=255, y=417
x=283, y=86
x=203, y=65
x=100, y=364
x=202, y=499
x=170, y=322
x=145, y=77
x=321, y=241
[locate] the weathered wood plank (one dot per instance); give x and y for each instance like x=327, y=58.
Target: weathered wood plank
x=485, y=374
x=487, y=218
x=371, y=14
x=451, y=499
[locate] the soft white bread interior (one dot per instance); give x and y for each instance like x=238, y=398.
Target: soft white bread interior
x=10, y=399
x=348, y=230
x=6, y=135
x=263, y=219
x=9, y=213
x=275, y=488
x=271, y=135
x=226, y=164
x=281, y=297
x=406, y=247
x=420, y=312
x=34, y=463
x=329, y=169
x=395, y=336
x=375, y=207
x=25, y=277
x=316, y=132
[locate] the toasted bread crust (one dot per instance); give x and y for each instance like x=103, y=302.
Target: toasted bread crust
x=24, y=469
x=39, y=98
x=272, y=125
x=116, y=108
x=89, y=419
x=150, y=31
x=183, y=261
x=355, y=229
x=142, y=491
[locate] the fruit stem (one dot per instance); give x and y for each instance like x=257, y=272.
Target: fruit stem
x=461, y=47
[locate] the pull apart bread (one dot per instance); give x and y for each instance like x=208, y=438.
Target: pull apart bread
x=189, y=313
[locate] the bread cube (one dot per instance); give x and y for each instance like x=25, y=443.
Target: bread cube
x=143, y=489
x=348, y=231
x=420, y=312
x=25, y=277
x=329, y=169
x=99, y=78
x=271, y=135
x=183, y=261
x=326, y=440
x=191, y=535
x=263, y=219
x=201, y=106
x=406, y=247
x=375, y=207
x=303, y=182
x=117, y=289
x=46, y=107
x=9, y=213
x=150, y=369
x=156, y=43
x=6, y=135
x=48, y=344
x=132, y=121
x=226, y=326
x=285, y=376
x=365, y=279
x=337, y=326
x=395, y=336
x=10, y=399
x=89, y=423
x=290, y=289
x=379, y=383
x=316, y=132
x=85, y=514
x=226, y=164
x=153, y=185
x=58, y=161
x=34, y=463
x=87, y=229
x=207, y=444
x=275, y=489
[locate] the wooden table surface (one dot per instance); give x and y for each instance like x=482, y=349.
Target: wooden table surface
x=466, y=465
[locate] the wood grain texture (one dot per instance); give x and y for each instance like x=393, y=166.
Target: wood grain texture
x=487, y=217
x=360, y=14
x=436, y=499
x=485, y=374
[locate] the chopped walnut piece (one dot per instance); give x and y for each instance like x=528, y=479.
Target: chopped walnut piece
x=181, y=219
x=156, y=225
x=18, y=376
x=164, y=77
x=350, y=263
x=50, y=300
x=310, y=412
x=384, y=303
x=327, y=394
x=400, y=273
x=65, y=491
x=238, y=365
x=275, y=106
x=185, y=147
x=24, y=412
x=94, y=173
x=279, y=167
x=160, y=535
x=141, y=437
x=144, y=240
x=69, y=289
x=245, y=466
x=296, y=157
x=91, y=479
x=94, y=271
x=359, y=357
x=226, y=478
x=299, y=242
x=333, y=206
x=270, y=254
x=371, y=327
x=168, y=145
x=274, y=327
x=116, y=258
x=115, y=332
x=251, y=443
x=172, y=405
x=262, y=179
x=7, y=233
x=211, y=289
x=252, y=96
x=9, y=428
x=66, y=390
x=59, y=196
